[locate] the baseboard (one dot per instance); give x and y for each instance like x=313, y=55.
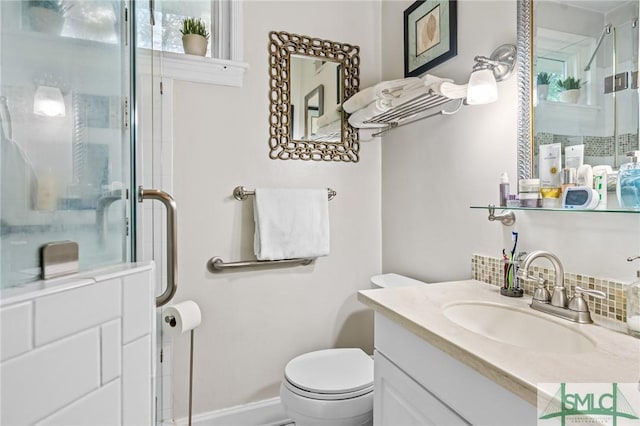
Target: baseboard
x=268, y=412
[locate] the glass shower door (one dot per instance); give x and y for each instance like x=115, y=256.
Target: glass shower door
x=65, y=162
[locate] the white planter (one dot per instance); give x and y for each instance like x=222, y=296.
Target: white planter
x=45, y=20
x=570, y=96
x=194, y=44
x=543, y=92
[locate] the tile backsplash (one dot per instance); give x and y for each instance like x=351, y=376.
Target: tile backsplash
x=595, y=146
x=490, y=270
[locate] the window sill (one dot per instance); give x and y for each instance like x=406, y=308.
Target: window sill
x=198, y=69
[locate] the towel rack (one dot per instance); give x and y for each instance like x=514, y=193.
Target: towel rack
x=413, y=110
x=216, y=264
x=241, y=193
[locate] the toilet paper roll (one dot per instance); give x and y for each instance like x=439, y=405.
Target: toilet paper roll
x=182, y=317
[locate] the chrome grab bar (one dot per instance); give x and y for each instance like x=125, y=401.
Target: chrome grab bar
x=172, y=240
x=216, y=264
x=241, y=193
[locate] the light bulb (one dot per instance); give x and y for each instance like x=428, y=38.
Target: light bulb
x=48, y=102
x=482, y=87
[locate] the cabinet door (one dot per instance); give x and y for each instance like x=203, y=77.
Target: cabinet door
x=399, y=400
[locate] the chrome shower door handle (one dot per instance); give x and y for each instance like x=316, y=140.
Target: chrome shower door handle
x=172, y=240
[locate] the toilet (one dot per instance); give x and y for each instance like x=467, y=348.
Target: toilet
x=334, y=386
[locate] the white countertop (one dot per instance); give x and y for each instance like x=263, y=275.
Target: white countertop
x=420, y=310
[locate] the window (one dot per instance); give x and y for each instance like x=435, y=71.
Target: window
x=555, y=67
x=220, y=17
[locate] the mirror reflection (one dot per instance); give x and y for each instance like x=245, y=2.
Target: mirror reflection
x=316, y=99
x=584, y=77
x=309, y=78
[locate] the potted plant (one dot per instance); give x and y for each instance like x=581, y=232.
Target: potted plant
x=195, y=36
x=544, y=79
x=569, y=89
x=47, y=16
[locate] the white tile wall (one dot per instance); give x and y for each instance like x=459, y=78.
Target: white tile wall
x=78, y=371
x=136, y=382
x=111, y=351
x=99, y=408
x=42, y=381
x=68, y=312
x=15, y=330
x=138, y=304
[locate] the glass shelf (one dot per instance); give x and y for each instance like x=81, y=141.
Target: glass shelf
x=545, y=209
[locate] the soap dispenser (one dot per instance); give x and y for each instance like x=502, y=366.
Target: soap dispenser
x=504, y=189
x=628, y=186
x=633, y=305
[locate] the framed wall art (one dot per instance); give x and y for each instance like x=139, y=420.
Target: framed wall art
x=430, y=35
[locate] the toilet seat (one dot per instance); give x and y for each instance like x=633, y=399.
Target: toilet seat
x=330, y=374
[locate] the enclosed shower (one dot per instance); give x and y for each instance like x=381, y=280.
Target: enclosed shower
x=77, y=105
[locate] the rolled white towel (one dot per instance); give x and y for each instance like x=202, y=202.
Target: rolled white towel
x=429, y=79
x=410, y=95
x=358, y=118
x=384, y=89
x=450, y=90
x=442, y=88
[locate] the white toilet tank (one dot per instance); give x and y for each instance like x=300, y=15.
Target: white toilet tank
x=393, y=280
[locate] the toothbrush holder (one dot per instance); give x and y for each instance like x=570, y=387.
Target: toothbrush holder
x=511, y=285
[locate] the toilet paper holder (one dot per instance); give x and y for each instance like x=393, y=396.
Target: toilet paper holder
x=171, y=320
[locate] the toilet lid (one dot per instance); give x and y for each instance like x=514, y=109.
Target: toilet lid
x=331, y=371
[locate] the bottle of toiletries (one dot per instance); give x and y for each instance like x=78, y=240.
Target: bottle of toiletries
x=633, y=308
x=584, y=176
x=47, y=191
x=529, y=192
x=600, y=185
x=550, y=156
x=568, y=178
x=504, y=189
x=628, y=186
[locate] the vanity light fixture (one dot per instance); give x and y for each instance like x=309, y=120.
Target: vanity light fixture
x=49, y=102
x=482, y=88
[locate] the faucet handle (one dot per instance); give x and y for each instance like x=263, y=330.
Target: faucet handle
x=541, y=293
x=595, y=293
x=577, y=302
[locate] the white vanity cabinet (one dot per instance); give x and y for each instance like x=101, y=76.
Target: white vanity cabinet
x=400, y=400
x=418, y=384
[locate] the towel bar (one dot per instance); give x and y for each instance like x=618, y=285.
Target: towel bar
x=216, y=264
x=413, y=111
x=241, y=193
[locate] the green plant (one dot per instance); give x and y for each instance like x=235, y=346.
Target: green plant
x=58, y=6
x=569, y=83
x=545, y=78
x=194, y=26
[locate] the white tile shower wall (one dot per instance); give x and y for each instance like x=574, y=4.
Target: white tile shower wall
x=77, y=369
x=16, y=329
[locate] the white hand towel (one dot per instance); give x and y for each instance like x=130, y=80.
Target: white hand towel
x=450, y=90
x=384, y=89
x=429, y=79
x=358, y=118
x=291, y=223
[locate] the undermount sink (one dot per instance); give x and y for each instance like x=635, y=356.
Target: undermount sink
x=517, y=327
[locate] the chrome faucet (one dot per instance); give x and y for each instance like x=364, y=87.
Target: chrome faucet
x=556, y=304
x=559, y=297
